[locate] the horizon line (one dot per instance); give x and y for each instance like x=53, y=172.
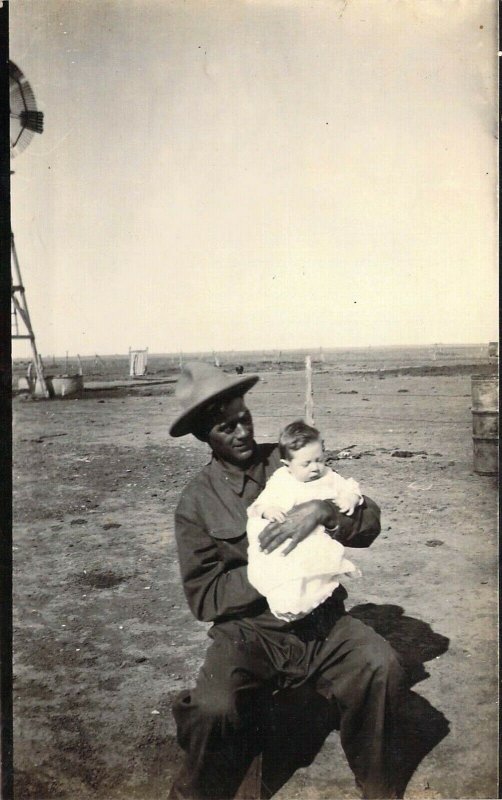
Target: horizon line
x=264, y=350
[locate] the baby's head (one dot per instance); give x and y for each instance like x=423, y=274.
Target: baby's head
x=301, y=450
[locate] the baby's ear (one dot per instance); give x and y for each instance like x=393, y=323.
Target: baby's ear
x=284, y=461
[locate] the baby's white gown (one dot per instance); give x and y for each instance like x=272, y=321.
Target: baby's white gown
x=297, y=583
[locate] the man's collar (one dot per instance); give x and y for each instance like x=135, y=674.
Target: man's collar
x=235, y=477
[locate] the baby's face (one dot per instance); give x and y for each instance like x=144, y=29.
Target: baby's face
x=307, y=464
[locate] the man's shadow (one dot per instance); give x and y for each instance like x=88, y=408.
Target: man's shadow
x=301, y=719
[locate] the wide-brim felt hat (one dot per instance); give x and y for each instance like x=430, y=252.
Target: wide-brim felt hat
x=201, y=384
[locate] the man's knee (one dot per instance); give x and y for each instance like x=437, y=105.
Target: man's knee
x=218, y=702
x=379, y=659
x=213, y=703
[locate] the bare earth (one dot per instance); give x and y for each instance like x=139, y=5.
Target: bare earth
x=103, y=637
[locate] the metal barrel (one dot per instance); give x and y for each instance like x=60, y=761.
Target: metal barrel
x=67, y=385
x=485, y=423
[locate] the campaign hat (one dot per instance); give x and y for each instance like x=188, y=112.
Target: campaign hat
x=200, y=385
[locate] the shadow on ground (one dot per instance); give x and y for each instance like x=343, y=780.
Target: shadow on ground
x=299, y=722
x=301, y=719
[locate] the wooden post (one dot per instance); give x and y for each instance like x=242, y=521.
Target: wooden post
x=309, y=398
x=80, y=372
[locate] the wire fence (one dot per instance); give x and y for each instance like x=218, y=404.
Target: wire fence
x=378, y=418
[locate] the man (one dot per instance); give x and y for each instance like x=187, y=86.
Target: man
x=252, y=652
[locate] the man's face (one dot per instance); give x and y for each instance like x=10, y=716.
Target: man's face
x=231, y=437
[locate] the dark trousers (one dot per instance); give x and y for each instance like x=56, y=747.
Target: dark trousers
x=220, y=722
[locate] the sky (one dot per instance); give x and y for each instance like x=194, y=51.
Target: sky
x=257, y=174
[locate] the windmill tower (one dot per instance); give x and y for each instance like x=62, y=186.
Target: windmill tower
x=25, y=121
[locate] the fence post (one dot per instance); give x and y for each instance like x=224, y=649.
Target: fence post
x=309, y=398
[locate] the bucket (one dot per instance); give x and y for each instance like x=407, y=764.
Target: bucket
x=67, y=385
x=485, y=423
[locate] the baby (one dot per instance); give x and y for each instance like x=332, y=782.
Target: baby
x=295, y=584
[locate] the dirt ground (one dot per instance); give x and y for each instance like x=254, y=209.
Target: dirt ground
x=104, y=639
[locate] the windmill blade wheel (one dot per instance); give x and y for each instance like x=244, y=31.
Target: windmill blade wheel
x=25, y=118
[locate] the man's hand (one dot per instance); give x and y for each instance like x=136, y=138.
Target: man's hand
x=299, y=523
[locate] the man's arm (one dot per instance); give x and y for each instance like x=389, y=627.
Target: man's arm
x=361, y=528
x=358, y=530
x=211, y=591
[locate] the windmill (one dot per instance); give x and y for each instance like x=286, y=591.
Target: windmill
x=25, y=121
